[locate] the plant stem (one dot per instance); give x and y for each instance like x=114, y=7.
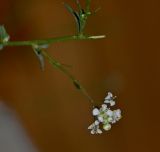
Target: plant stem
x=54, y=62
x=88, y=5
x=51, y=40
x=61, y=68
x=37, y=45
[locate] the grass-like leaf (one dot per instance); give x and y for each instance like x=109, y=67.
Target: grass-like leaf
x=75, y=15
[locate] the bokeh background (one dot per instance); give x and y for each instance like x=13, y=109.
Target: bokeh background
x=54, y=114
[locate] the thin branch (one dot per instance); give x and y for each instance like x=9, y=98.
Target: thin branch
x=51, y=40
x=61, y=68
x=39, y=45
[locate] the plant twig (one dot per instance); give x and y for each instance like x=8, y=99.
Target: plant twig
x=61, y=68
x=51, y=40
x=39, y=45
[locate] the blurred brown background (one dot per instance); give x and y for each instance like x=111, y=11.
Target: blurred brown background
x=55, y=115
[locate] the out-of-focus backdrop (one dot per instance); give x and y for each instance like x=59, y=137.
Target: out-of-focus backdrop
x=54, y=114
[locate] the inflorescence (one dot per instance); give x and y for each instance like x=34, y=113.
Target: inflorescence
x=104, y=115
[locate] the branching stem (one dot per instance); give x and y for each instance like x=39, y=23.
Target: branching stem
x=51, y=40
x=39, y=45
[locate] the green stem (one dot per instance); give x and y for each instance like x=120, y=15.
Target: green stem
x=54, y=62
x=61, y=68
x=51, y=40
x=37, y=43
x=88, y=5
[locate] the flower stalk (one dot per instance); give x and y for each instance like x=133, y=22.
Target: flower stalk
x=61, y=68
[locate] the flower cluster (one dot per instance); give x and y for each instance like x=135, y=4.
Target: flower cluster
x=104, y=115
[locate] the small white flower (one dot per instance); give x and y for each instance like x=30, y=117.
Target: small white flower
x=94, y=127
x=107, y=127
x=104, y=107
x=110, y=99
x=112, y=103
x=96, y=122
x=109, y=96
x=95, y=112
x=117, y=114
x=105, y=116
x=97, y=131
x=91, y=126
x=100, y=118
x=109, y=113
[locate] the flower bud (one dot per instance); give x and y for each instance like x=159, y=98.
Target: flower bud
x=107, y=127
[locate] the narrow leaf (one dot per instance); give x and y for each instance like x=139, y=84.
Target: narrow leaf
x=75, y=15
x=40, y=57
x=78, y=22
x=69, y=8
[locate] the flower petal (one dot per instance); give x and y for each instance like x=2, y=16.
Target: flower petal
x=95, y=112
x=109, y=96
x=109, y=113
x=100, y=118
x=112, y=103
x=99, y=131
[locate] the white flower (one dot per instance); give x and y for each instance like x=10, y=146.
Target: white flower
x=104, y=107
x=105, y=116
x=110, y=99
x=109, y=113
x=112, y=103
x=117, y=114
x=96, y=122
x=97, y=131
x=94, y=127
x=100, y=118
x=109, y=96
x=95, y=112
